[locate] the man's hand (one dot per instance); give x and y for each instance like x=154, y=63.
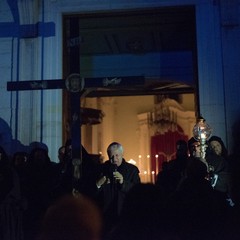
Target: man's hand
x=118, y=176
x=101, y=181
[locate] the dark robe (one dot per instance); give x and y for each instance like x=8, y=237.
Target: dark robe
x=111, y=196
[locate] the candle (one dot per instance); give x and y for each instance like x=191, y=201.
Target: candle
x=156, y=160
x=153, y=177
x=145, y=176
x=140, y=163
x=148, y=166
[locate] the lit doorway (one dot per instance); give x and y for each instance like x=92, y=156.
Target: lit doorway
x=156, y=43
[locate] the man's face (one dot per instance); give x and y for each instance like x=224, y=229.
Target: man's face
x=117, y=156
x=217, y=147
x=196, y=149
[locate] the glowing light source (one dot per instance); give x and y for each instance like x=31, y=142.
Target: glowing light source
x=201, y=132
x=132, y=161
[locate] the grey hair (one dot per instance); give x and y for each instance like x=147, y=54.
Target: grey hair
x=113, y=146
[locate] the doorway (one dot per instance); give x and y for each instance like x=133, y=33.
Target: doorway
x=159, y=44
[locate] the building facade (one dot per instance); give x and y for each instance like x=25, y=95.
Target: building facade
x=31, y=37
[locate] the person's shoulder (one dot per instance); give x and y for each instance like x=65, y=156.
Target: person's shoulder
x=171, y=164
x=216, y=160
x=107, y=162
x=104, y=165
x=130, y=165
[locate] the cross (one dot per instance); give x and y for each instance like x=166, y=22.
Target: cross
x=77, y=85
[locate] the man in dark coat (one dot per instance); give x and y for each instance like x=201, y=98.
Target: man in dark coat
x=173, y=171
x=67, y=183
x=11, y=208
x=115, y=179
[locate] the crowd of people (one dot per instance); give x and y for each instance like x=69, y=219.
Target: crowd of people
x=193, y=198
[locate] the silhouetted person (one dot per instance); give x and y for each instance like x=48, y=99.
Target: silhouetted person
x=61, y=153
x=10, y=201
x=40, y=176
x=20, y=164
x=217, y=157
x=66, y=182
x=72, y=218
x=174, y=170
x=195, y=211
x=143, y=216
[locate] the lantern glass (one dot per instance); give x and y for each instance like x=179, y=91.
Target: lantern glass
x=202, y=131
